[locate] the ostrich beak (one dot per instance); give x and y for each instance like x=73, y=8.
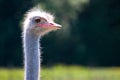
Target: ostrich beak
x=50, y=25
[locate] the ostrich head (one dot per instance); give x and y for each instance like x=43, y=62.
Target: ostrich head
x=39, y=22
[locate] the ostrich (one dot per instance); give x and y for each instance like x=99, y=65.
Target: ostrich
x=36, y=24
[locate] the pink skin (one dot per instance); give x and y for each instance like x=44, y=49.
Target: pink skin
x=49, y=25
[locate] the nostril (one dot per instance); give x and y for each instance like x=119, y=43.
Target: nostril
x=51, y=23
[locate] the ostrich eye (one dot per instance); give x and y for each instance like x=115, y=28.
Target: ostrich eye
x=37, y=20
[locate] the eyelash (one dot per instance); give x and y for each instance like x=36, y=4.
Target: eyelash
x=43, y=19
x=39, y=20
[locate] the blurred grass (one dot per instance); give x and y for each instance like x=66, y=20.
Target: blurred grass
x=65, y=73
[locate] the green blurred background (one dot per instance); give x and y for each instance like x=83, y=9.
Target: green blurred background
x=86, y=48
x=90, y=35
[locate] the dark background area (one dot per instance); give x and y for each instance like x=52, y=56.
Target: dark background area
x=90, y=34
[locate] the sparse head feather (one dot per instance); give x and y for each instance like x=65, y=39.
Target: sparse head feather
x=39, y=22
x=36, y=11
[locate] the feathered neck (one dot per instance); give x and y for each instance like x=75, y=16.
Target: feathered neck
x=31, y=56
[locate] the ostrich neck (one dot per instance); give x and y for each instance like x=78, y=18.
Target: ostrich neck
x=31, y=56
